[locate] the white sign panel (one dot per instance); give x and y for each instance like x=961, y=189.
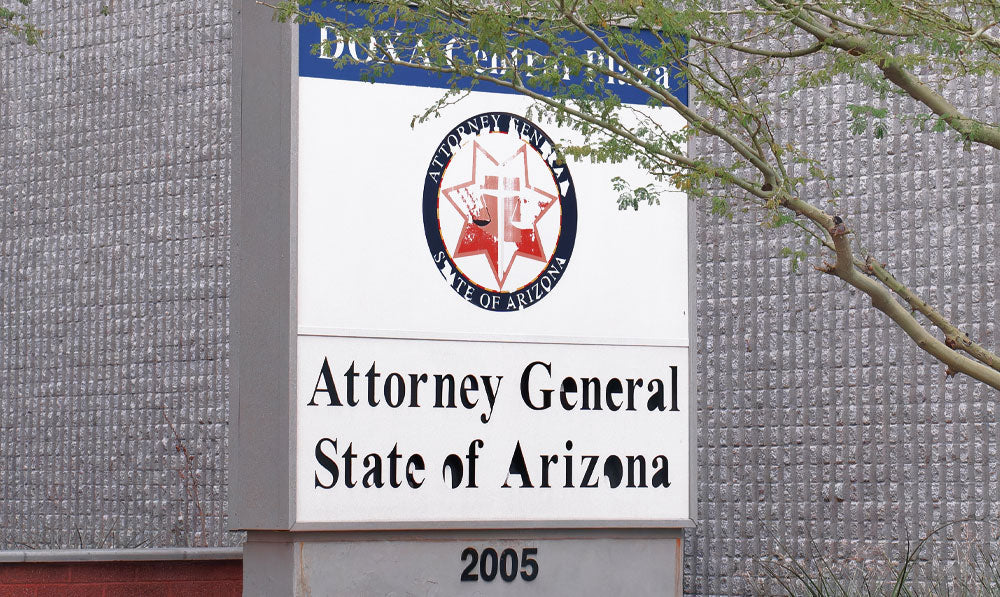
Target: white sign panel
x=483, y=335
x=414, y=430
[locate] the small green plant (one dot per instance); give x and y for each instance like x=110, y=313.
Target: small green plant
x=15, y=23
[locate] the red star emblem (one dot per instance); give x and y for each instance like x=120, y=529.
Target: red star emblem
x=501, y=208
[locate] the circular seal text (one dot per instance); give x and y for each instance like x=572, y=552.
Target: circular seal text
x=499, y=211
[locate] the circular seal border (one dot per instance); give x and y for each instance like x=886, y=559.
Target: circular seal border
x=534, y=291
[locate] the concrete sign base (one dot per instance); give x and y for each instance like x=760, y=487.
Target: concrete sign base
x=580, y=562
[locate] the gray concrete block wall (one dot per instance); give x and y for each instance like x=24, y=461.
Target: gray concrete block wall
x=114, y=252
x=824, y=431
x=822, y=428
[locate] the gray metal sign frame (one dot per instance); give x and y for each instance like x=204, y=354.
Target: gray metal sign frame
x=263, y=297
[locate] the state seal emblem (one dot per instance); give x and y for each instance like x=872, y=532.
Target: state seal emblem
x=499, y=211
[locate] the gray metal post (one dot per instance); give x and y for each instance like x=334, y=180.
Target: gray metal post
x=263, y=279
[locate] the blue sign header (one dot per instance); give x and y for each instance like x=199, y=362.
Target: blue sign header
x=355, y=63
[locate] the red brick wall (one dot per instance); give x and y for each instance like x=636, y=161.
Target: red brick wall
x=211, y=578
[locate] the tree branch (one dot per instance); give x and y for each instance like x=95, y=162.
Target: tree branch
x=798, y=53
x=985, y=368
x=954, y=337
x=855, y=45
x=884, y=302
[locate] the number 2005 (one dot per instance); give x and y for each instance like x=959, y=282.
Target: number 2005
x=488, y=564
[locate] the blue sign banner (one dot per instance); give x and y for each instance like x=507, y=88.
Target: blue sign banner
x=349, y=61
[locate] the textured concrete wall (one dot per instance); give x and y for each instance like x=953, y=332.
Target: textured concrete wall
x=822, y=428
x=114, y=223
